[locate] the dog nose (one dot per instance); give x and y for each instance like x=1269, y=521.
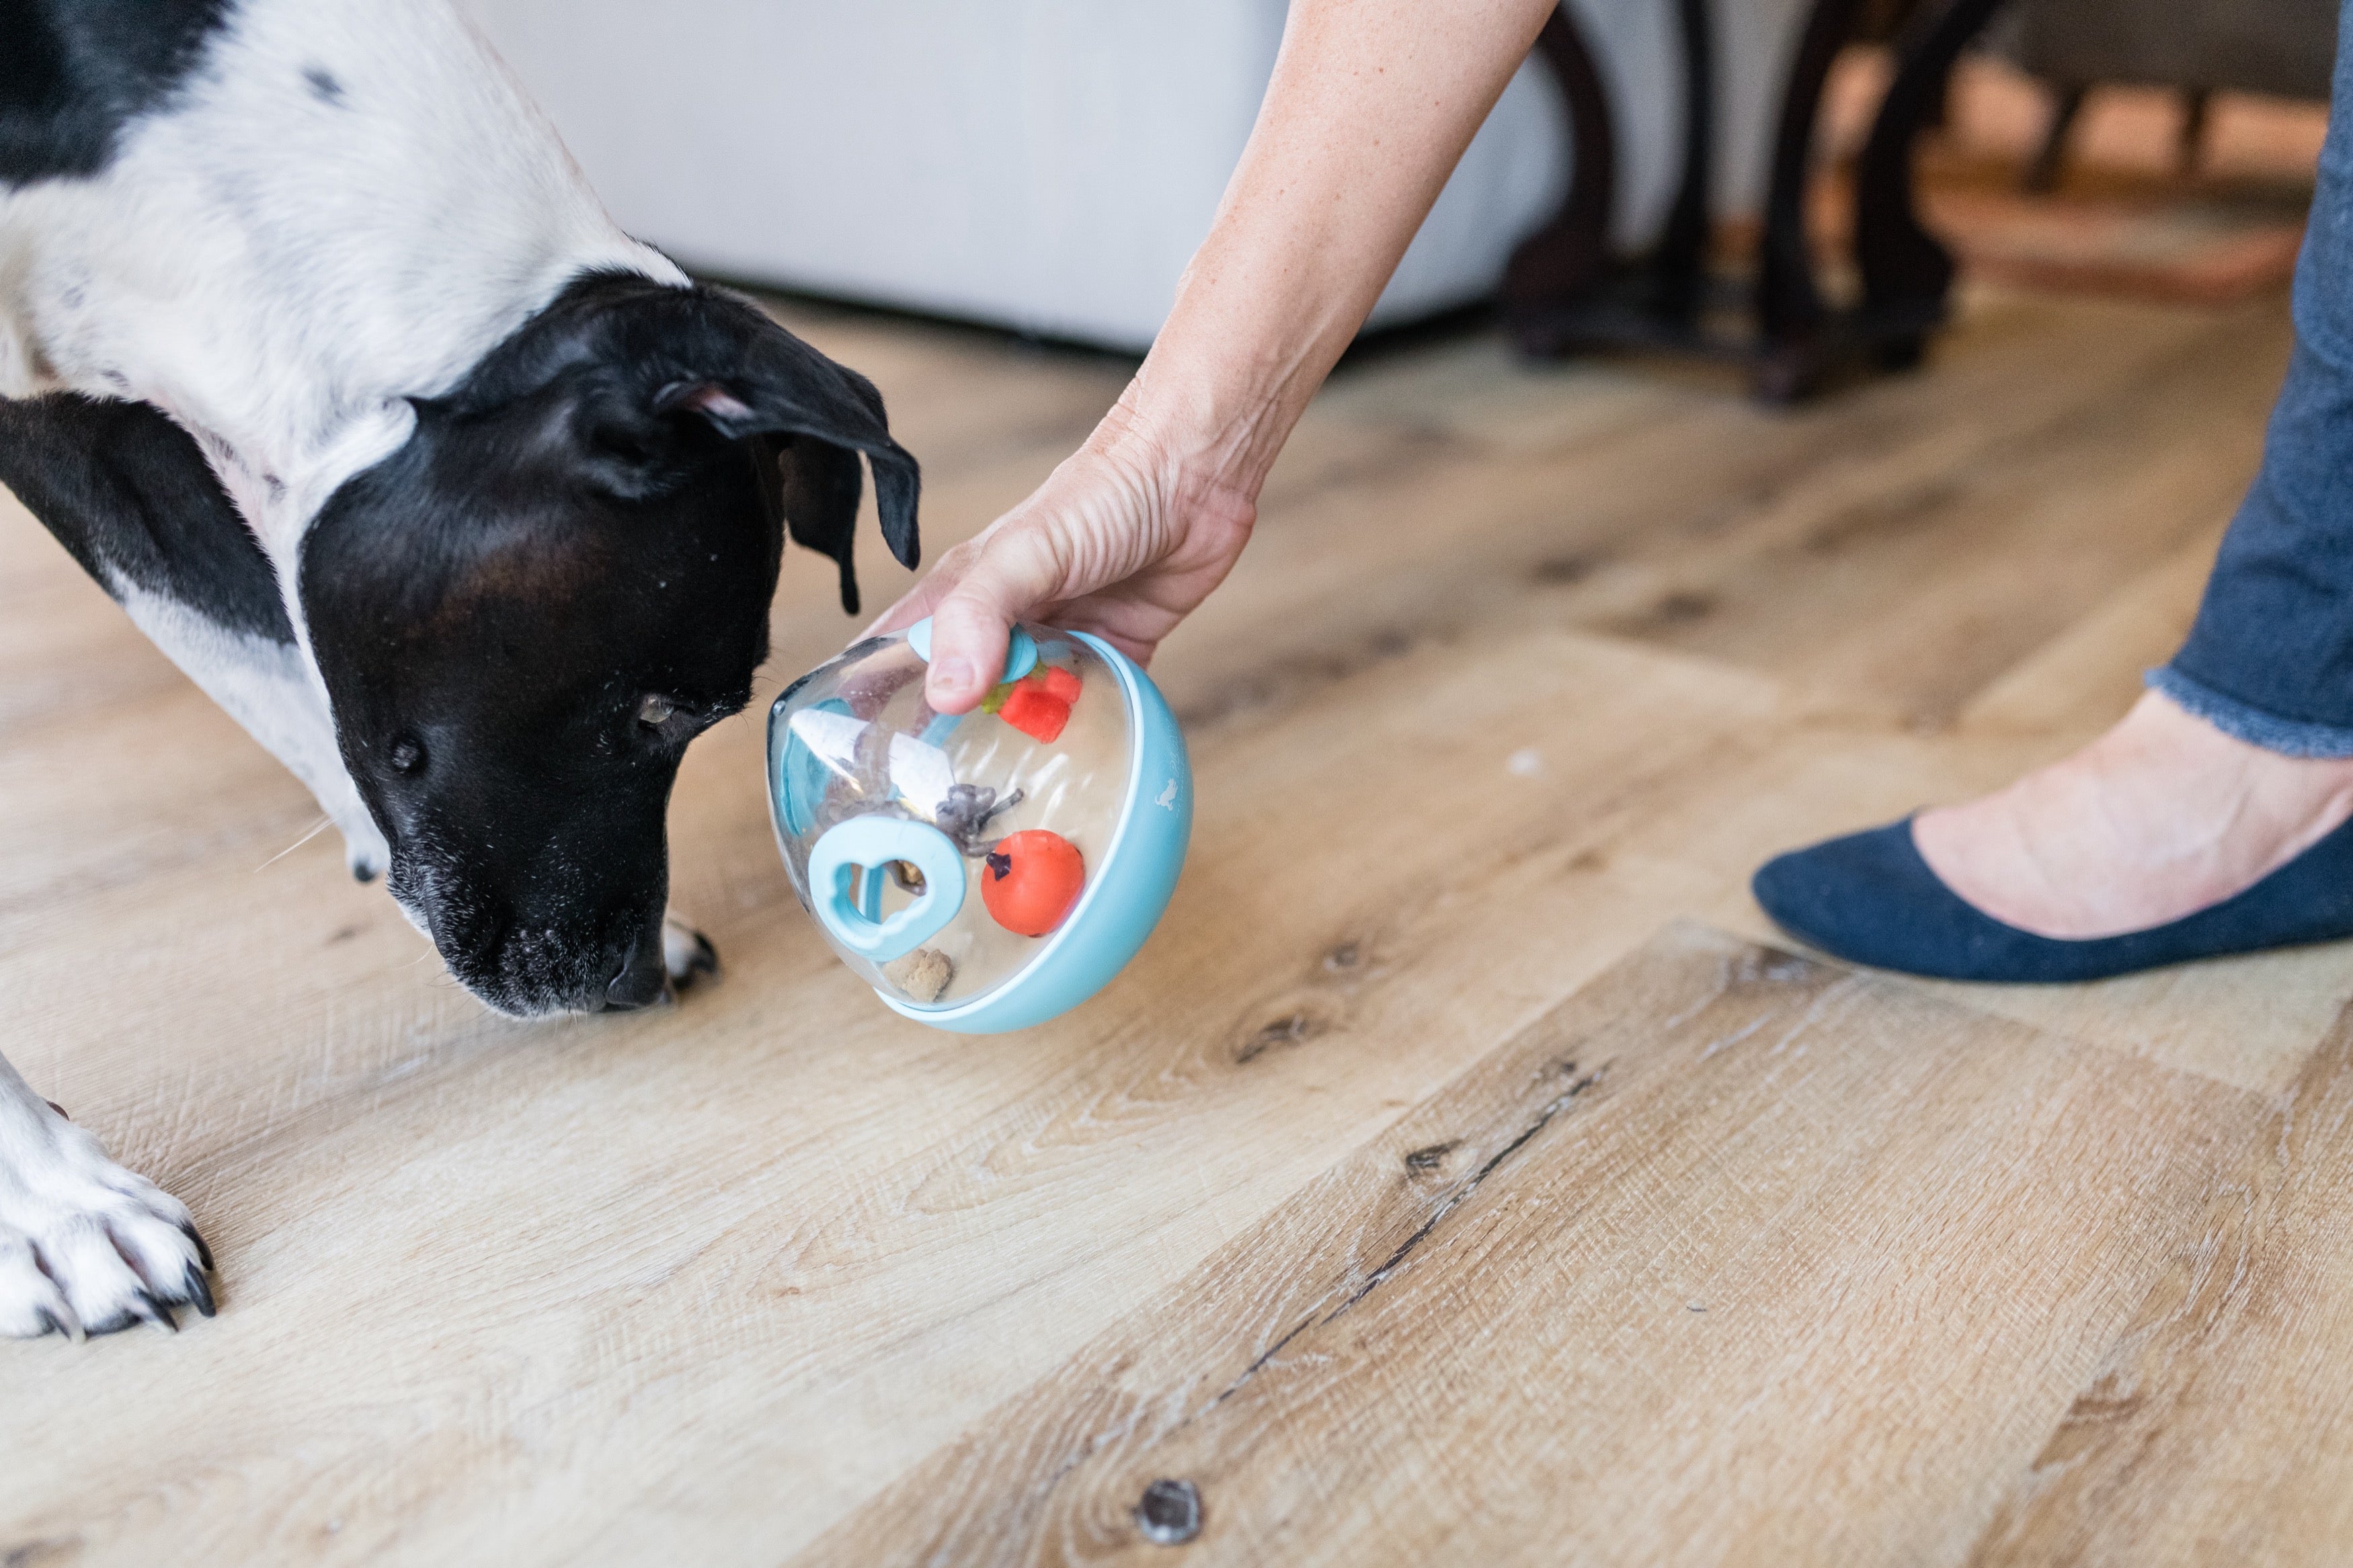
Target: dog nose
x=641, y=982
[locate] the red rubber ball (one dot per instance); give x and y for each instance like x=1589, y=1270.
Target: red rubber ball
x=1030, y=880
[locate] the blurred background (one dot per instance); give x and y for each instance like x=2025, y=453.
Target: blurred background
x=1048, y=165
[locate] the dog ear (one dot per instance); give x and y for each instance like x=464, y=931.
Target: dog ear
x=814, y=418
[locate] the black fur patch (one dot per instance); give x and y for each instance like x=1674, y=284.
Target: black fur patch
x=73, y=73
x=129, y=494
x=594, y=518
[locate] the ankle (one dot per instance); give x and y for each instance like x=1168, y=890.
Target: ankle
x=2162, y=815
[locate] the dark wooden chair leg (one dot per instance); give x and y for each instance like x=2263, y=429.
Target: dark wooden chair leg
x=1906, y=273
x=1568, y=260
x=1564, y=290
x=2191, y=140
x=2042, y=175
x=1790, y=312
x=1679, y=264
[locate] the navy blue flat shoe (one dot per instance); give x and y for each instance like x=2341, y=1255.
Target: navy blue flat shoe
x=1870, y=899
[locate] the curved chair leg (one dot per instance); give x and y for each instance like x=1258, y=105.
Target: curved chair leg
x=1563, y=289
x=2042, y=175
x=2189, y=140
x=1907, y=272
x=1790, y=314
x=1679, y=264
x=1569, y=258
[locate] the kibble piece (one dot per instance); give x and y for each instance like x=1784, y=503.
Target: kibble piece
x=922, y=976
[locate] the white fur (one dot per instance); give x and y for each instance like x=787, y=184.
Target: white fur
x=83, y=1242
x=279, y=273
x=685, y=951
x=271, y=689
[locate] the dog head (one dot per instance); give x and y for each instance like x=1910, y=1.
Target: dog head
x=526, y=612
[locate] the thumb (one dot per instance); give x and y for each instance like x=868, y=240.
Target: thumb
x=968, y=640
x=970, y=626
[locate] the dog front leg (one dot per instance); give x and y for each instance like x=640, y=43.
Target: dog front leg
x=267, y=687
x=85, y=1247
x=129, y=493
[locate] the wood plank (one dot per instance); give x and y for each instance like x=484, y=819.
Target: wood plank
x=852, y=1234
x=1733, y=1257
x=1913, y=599
x=2219, y=1426
x=1899, y=548
x=2081, y=681
x=702, y=1285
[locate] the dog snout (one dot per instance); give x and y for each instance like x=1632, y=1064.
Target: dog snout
x=640, y=981
x=534, y=968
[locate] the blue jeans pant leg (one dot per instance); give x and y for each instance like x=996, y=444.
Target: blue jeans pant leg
x=2270, y=659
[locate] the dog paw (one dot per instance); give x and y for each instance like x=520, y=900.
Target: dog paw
x=85, y=1247
x=687, y=953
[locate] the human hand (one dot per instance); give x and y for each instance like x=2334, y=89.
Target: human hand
x=1371, y=103
x=1123, y=539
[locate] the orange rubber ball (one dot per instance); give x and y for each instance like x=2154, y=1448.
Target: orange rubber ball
x=1030, y=880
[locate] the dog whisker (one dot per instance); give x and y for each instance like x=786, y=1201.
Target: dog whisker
x=317, y=828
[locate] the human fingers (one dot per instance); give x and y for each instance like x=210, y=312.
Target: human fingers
x=1013, y=571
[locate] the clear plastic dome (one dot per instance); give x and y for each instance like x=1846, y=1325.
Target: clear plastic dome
x=940, y=853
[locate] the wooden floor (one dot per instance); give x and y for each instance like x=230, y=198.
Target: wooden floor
x=1460, y=1175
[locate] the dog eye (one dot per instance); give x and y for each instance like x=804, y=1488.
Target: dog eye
x=407, y=756
x=655, y=711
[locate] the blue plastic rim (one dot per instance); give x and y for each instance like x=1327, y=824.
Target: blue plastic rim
x=1129, y=891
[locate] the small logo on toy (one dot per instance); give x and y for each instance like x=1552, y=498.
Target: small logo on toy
x=1167, y=801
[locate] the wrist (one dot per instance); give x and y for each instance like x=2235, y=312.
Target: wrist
x=1187, y=435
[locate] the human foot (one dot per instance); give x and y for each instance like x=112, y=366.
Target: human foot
x=2158, y=818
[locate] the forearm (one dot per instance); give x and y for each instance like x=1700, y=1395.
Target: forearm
x=1370, y=105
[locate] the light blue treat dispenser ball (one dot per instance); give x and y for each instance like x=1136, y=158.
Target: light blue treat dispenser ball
x=988, y=870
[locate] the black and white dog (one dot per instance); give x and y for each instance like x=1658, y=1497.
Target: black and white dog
x=318, y=354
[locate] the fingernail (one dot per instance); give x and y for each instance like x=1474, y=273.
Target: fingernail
x=955, y=676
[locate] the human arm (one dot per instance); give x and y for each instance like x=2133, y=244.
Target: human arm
x=1369, y=107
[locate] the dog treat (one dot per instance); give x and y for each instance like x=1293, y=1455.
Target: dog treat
x=922, y=976
x=1030, y=880
x=1038, y=704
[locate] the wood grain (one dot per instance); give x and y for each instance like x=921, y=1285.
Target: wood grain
x=1524, y=665
x=796, y=1200
x=1732, y=1258
x=1892, y=553
x=2219, y=1426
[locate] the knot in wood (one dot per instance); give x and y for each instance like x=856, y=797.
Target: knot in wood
x=1169, y=1513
